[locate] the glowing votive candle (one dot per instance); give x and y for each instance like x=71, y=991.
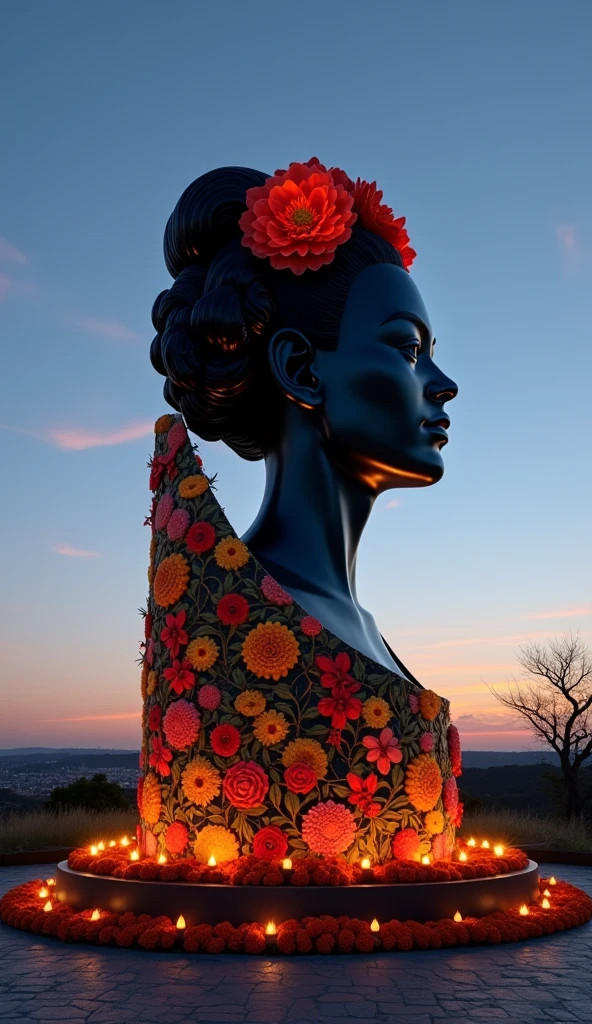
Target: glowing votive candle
x=485, y=844
x=425, y=859
x=94, y=850
x=161, y=859
x=212, y=862
x=101, y=845
x=458, y=916
x=498, y=850
x=96, y=915
x=180, y=922
x=462, y=856
x=547, y=892
x=472, y=842
x=48, y=906
x=524, y=911
x=112, y=843
x=552, y=880
x=125, y=841
x=375, y=927
x=43, y=893
x=134, y=855
x=545, y=904
x=287, y=864
x=366, y=864
x=270, y=928
x=50, y=881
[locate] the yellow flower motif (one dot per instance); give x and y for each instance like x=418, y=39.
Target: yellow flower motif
x=215, y=841
x=144, y=680
x=163, y=424
x=231, y=553
x=429, y=704
x=376, y=712
x=308, y=752
x=271, y=727
x=270, y=650
x=151, y=800
x=193, y=486
x=151, y=683
x=202, y=653
x=170, y=581
x=434, y=822
x=423, y=782
x=200, y=781
x=250, y=703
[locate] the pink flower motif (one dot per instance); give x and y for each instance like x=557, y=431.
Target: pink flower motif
x=274, y=593
x=426, y=742
x=178, y=524
x=176, y=437
x=310, y=626
x=450, y=796
x=385, y=750
x=413, y=701
x=209, y=697
x=328, y=828
x=454, y=751
x=173, y=634
x=441, y=847
x=160, y=756
x=164, y=511
x=181, y=724
x=150, y=652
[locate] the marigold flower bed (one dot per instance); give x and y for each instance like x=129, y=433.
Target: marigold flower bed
x=252, y=870
x=22, y=908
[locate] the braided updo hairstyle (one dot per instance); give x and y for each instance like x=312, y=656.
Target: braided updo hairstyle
x=214, y=323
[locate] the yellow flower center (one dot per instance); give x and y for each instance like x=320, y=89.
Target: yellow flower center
x=302, y=217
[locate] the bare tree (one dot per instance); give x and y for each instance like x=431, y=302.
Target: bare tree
x=555, y=698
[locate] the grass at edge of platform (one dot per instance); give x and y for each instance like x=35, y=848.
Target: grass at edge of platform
x=47, y=830
x=522, y=828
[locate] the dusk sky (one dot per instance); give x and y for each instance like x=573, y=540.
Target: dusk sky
x=474, y=120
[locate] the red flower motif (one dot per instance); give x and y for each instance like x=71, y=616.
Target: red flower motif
x=156, y=474
x=300, y=778
x=180, y=675
x=454, y=751
x=377, y=217
x=298, y=218
x=154, y=717
x=201, y=537
x=362, y=791
x=148, y=625
x=310, y=626
x=406, y=844
x=225, y=740
x=173, y=634
x=176, y=837
x=334, y=739
x=160, y=756
x=340, y=706
x=336, y=673
x=245, y=785
x=384, y=749
x=270, y=843
x=233, y=609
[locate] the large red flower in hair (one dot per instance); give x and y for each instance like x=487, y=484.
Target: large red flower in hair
x=298, y=217
x=378, y=217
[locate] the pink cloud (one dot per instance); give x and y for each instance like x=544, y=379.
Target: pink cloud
x=80, y=438
x=393, y=503
x=96, y=718
x=112, y=329
x=9, y=253
x=494, y=641
x=561, y=614
x=70, y=552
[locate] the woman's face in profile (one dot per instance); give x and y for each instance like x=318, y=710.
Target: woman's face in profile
x=383, y=410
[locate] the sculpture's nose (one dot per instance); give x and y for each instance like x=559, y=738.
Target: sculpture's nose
x=442, y=389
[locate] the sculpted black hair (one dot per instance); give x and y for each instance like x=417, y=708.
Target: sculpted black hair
x=214, y=322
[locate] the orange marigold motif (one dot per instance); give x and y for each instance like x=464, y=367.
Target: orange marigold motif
x=270, y=727
x=153, y=547
x=376, y=712
x=201, y=782
x=270, y=650
x=151, y=683
x=429, y=705
x=202, y=653
x=309, y=752
x=151, y=800
x=170, y=581
x=250, y=703
x=193, y=486
x=144, y=680
x=215, y=841
x=434, y=822
x=163, y=424
x=423, y=782
x=231, y=553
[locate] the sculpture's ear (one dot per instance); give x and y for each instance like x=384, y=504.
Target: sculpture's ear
x=291, y=359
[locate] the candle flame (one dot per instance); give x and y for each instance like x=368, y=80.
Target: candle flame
x=375, y=927
x=462, y=856
x=134, y=855
x=485, y=844
x=43, y=893
x=125, y=841
x=180, y=922
x=101, y=845
x=366, y=863
x=547, y=892
x=162, y=859
x=425, y=859
x=94, y=850
x=48, y=906
x=212, y=862
x=96, y=915
x=112, y=843
x=545, y=904
x=552, y=880
x=50, y=881
x=270, y=928
x=471, y=842
x=458, y=916
x=287, y=864
x=524, y=911
x=498, y=850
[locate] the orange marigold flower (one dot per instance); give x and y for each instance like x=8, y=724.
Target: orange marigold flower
x=231, y=553
x=144, y=680
x=303, y=751
x=202, y=653
x=170, y=581
x=434, y=822
x=201, y=782
x=250, y=703
x=423, y=782
x=153, y=547
x=376, y=712
x=151, y=683
x=163, y=424
x=271, y=727
x=151, y=799
x=215, y=841
x=193, y=486
x=270, y=650
x=429, y=705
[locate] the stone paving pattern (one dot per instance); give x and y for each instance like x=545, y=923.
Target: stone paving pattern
x=544, y=981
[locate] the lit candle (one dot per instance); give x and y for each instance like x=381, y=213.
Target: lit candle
x=125, y=841
x=457, y=917
x=545, y=904
x=547, y=892
x=50, y=881
x=472, y=842
x=161, y=859
x=101, y=845
x=287, y=864
x=375, y=927
x=180, y=923
x=485, y=844
x=112, y=843
x=43, y=893
x=552, y=880
x=462, y=856
x=212, y=862
x=524, y=911
x=48, y=906
x=270, y=928
x=94, y=850
x=134, y=855
x=498, y=850
x=425, y=859
x=366, y=863
x=96, y=915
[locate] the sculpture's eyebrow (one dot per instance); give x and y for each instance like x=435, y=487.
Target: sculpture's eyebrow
x=402, y=315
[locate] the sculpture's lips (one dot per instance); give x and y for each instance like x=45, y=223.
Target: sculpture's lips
x=438, y=426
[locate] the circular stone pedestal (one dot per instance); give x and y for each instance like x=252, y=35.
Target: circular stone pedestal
x=211, y=904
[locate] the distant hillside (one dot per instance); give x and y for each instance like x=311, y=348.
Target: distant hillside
x=492, y=758
x=11, y=802
x=61, y=751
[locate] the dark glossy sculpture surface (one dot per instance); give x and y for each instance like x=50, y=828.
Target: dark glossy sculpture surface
x=330, y=377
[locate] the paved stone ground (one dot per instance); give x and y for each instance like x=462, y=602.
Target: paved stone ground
x=545, y=981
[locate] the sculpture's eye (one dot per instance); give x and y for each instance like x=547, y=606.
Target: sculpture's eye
x=410, y=349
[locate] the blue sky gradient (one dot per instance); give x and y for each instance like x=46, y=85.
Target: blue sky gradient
x=474, y=120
